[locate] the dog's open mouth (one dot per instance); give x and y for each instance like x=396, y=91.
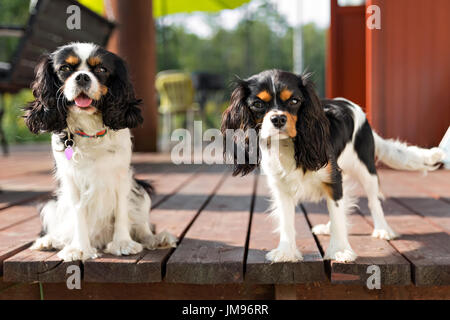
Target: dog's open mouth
x=83, y=101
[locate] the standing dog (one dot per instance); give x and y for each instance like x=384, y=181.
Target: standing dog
x=83, y=95
x=319, y=143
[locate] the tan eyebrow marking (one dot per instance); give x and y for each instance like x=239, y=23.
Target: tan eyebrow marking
x=264, y=96
x=94, y=61
x=285, y=94
x=72, y=60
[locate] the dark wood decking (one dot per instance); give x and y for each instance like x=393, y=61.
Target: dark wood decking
x=224, y=234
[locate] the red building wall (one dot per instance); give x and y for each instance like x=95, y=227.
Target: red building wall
x=406, y=70
x=346, y=60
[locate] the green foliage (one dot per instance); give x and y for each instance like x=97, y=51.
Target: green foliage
x=314, y=50
x=263, y=41
x=13, y=124
x=12, y=13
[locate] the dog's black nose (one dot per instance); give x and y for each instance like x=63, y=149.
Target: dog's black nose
x=83, y=79
x=278, y=120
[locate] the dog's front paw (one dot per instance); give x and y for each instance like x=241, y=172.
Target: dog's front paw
x=284, y=254
x=345, y=255
x=46, y=243
x=72, y=253
x=166, y=240
x=150, y=242
x=385, y=234
x=123, y=247
x=321, y=229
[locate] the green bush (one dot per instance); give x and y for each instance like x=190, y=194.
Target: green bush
x=13, y=124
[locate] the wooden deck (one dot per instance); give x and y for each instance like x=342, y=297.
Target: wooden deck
x=224, y=235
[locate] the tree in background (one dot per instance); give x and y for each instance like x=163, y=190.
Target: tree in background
x=262, y=41
x=15, y=13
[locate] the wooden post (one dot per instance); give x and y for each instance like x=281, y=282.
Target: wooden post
x=134, y=40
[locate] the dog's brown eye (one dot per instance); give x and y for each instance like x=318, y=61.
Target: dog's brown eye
x=258, y=105
x=293, y=102
x=100, y=69
x=65, y=68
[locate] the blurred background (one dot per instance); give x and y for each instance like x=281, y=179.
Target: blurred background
x=184, y=55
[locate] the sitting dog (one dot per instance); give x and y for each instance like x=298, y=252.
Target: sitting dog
x=83, y=95
x=319, y=143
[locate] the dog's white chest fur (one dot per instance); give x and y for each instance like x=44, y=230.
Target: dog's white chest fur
x=282, y=172
x=93, y=172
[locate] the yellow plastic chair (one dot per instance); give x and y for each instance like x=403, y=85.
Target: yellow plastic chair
x=177, y=94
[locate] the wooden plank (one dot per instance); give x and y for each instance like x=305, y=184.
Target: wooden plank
x=167, y=178
x=285, y=292
x=262, y=239
x=158, y=291
x=17, y=238
x=415, y=184
x=17, y=214
x=22, y=163
x=213, y=249
x=18, y=291
x=422, y=243
x=434, y=210
x=395, y=270
x=42, y=266
x=174, y=215
x=51, y=269
x=9, y=198
x=43, y=182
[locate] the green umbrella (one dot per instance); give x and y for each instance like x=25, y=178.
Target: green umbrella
x=166, y=7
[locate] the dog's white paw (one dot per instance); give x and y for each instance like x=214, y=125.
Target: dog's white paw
x=45, y=243
x=321, y=229
x=385, y=234
x=123, y=247
x=283, y=254
x=166, y=240
x=435, y=156
x=72, y=253
x=346, y=255
x=150, y=242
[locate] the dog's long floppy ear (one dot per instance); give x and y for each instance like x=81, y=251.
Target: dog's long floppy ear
x=46, y=113
x=237, y=119
x=311, y=142
x=120, y=108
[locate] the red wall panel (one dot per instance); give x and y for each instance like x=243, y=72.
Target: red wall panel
x=346, y=54
x=408, y=70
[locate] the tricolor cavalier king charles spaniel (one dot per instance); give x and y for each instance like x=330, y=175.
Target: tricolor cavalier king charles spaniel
x=319, y=144
x=84, y=97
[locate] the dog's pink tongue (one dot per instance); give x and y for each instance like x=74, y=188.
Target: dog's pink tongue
x=83, y=101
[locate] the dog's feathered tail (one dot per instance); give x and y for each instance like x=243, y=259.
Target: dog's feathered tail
x=399, y=155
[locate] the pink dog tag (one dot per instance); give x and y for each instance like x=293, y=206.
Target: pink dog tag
x=68, y=152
